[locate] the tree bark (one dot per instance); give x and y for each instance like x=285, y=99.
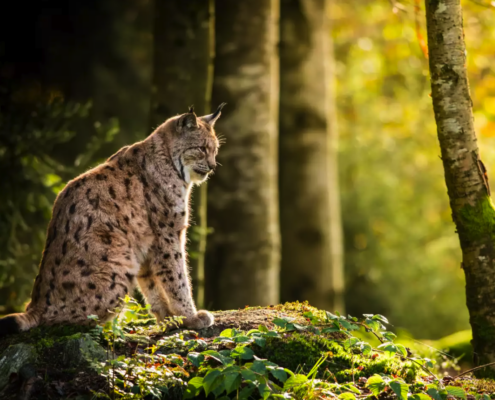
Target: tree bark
x=309, y=191
x=467, y=185
x=184, y=51
x=243, y=250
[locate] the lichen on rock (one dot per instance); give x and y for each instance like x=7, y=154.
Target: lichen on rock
x=13, y=359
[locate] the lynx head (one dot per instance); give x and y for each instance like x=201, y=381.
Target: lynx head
x=195, y=145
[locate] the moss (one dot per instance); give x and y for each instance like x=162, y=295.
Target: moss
x=476, y=222
x=477, y=386
x=301, y=351
x=45, y=343
x=43, y=336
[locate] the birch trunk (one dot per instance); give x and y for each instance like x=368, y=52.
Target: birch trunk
x=467, y=186
x=309, y=190
x=183, y=76
x=243, y=250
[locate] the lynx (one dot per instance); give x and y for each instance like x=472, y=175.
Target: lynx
x=124, y=224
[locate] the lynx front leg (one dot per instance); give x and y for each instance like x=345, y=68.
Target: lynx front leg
x=153, y=292
x=169, y=267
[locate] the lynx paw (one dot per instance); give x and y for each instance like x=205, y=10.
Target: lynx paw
x=202, y=319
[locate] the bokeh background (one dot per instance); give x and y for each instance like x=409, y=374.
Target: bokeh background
x=76, y=83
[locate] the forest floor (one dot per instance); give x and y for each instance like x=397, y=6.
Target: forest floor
x=284, y=351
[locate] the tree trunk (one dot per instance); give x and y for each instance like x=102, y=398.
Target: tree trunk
x=467, y=185
x=183, y=76
x=243, y=250
x=309, y=191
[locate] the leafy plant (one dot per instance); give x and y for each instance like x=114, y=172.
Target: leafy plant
x=165, y=361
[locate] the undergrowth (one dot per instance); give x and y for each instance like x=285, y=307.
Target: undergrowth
x=323, y=357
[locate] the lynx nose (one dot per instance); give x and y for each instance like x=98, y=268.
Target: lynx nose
x=212, y=166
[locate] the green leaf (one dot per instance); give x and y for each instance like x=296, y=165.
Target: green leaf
x=258, y=367
x=352, y=341
x=196, y=358
x=245, y=393
x=400, y=389
x=264, y=391
x=209, y=380
x=376, y=384
x=218, y=386
x=402, y=349
x=232, y=381
x=294, y=381
x=389, y=336
x=347, y=325
x=280, y=322
x=196, y=382
x=380, y=318
x=227, y=333
x=242, y=339
x=242, y=352
x=279, y=373
x=373, y=324
x=347, y=396
x=392, y=348
x=248, y=375
x=331, y=316
x=421, y=396
x=330, y=330
x=365, y=348
x=437, y=395
x=193, y=388
x=263, y=328
x=212, y=353
x=260, y=341
x=351, y=388
x=231, y=368
x=219, y=357
x=456, y=391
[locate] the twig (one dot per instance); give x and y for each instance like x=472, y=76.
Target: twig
x=423, y=367
x=474, y=369
x=417, y=25
x=397, y=6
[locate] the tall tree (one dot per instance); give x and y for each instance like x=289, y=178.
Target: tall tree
x=184, y=50
x=309, y=192
x=472, y=208
x=243, y=250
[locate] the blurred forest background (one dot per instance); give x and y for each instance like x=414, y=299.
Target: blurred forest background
x=80, y=79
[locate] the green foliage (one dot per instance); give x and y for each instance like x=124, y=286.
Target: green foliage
x=396, y=215
x=151, y=373
x=30, y=131
x=146, y=360
x=293, y=361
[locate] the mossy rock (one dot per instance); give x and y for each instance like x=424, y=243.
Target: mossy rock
x=13, y=359
x=301, y=351
x=50, y=357
x=76, y=351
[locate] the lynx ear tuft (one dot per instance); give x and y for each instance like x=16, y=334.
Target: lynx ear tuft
x=191, y=109
x=187, y=121
x=210, y=119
